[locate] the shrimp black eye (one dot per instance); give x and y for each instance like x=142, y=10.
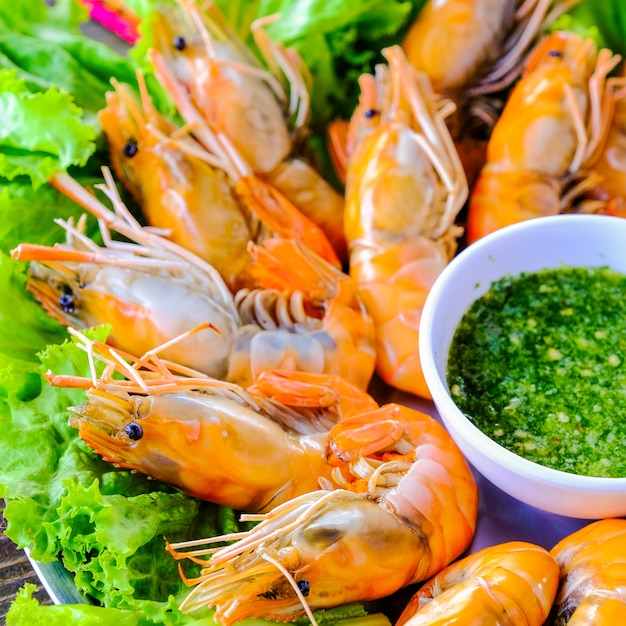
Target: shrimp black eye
x=370, y=113
x=134, y=431
x=556, y=54
x=67, y=302
x=179, y=43
x=130, y=148
x=304, y=587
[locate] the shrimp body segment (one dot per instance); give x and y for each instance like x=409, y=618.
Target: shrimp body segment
x=308, y=316
x=404, y=187
x=557, y=102
x=405, y=507
x=504, y=585
x=593, y=573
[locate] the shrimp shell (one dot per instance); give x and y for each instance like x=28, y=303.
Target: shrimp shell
x=593, y=572
x=502, y=585
x=149, y=289
x=234, y=94
x=404, y=187
x=176, y=190
x=249, y=450
x=558, y=101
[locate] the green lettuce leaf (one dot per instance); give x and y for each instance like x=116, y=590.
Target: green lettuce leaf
x=26, y=610
x=604, y=22
x=41, y=132
x=27, y=215
x=108, y=525
x=46, y=47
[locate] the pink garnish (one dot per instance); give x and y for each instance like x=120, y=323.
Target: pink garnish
x=124, y=26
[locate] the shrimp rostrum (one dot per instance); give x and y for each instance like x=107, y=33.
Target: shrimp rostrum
x=405, y=506
x=246, y=449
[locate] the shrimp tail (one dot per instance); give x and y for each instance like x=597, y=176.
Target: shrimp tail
x=282, y=217
x=306, y=389
x=364, y=435
x=287, y=264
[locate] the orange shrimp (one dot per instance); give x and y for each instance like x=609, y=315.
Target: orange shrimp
x=176, y=190
x=305, y=316
x=208, y=438
x=149, y=290
x=470, y=47
x=502, y=585
x=405, y=185
x=270, y=205
x=405, y=507
x=235, y=94
x=558, y=102
x=473, y=51
x=593, y=571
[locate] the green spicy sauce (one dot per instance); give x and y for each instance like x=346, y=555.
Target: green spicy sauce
x=538, y=364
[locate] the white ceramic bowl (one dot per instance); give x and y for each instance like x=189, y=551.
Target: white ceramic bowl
x=547, y=242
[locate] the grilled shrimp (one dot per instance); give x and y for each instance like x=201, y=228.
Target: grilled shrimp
x=150, y=290
x=235, y=94
x=405, y=507
x=503, y=585
x=473, y=51
x=305, y=316
x=176, y=190
x=558, y=102
x=404, y=187
x=593, y=570
x=243, y=449
x=472, y=47
x=279, y=214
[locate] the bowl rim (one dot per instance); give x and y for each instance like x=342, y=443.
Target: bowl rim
x=438, y=386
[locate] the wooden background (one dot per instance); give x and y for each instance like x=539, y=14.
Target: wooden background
x=15, y=570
